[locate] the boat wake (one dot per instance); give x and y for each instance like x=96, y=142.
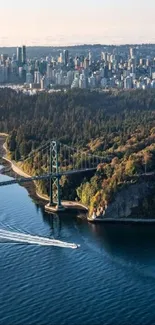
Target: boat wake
x=35, y=240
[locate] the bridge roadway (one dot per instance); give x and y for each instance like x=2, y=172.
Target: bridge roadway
x=45, y=176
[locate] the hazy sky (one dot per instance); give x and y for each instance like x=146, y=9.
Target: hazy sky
x=48, y=22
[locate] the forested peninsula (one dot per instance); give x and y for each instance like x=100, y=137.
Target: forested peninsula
x=117, y=125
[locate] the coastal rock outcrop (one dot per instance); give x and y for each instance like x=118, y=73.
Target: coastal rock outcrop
x=129, y=198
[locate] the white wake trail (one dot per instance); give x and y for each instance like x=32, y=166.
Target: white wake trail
x=36, y=240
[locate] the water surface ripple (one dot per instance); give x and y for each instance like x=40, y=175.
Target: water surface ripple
x=110, y=279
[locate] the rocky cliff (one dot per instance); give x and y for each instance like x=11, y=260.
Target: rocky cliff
x=135, y=199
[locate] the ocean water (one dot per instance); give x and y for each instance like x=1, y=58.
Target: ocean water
x=110, y=279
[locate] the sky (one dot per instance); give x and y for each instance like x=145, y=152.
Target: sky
x=69, y=22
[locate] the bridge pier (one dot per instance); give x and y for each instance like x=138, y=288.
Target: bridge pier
x=55, y=198
x=54, y=208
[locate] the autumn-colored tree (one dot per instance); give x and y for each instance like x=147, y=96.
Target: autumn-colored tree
x=147, y=158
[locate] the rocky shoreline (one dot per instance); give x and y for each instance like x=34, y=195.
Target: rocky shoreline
x=133, y=203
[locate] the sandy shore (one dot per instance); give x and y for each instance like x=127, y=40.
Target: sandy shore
x=16, y=169
x=3, y=134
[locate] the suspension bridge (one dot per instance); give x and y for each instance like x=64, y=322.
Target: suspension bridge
x=53, y=160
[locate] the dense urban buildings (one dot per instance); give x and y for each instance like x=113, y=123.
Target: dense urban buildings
x=102, y=67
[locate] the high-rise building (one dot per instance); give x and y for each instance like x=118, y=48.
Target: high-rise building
x=83, y=81
x=92, y=81
x=90, y=58
x=128, y=82
x=49, y=71
x=20, y=71
x=13, y=57
x=23, y=54
x=102, y=72
x=43, y=82
x=4, y=58
x=108, y=57
x=132, y=52
x=3, y=73
x=58, y=78
x=37, y=77
x=153, y=75
x=86, y=63
x=75, y=83
x=104, y=56
x=70, y=77
x=77, y=62
x=19, y=55
x=60, y=59
x=142, y=61
x=65, y=56
x=29, y=78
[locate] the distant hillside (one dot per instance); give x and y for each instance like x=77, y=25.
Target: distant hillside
x=43, y=51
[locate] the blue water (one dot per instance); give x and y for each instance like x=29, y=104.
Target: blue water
x=110, y=279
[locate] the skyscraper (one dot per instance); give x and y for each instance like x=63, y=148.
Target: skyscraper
x=4, y=58
x=132, y=52
x=19, y=55
x=86, y=63
x=49, y=72
x=90, y=58
x=23, y=54
x=37, y=77
x=104, y=56
x=65, y=56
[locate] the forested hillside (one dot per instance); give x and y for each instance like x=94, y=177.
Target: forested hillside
x=76, y=116
x=118, y=124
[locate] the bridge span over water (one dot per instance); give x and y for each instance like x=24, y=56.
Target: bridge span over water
x=58, y=160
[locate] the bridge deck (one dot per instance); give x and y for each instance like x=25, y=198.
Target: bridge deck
x=45, y=176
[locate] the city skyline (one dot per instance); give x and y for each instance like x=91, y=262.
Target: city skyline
x=61, y=23
x=101, y=68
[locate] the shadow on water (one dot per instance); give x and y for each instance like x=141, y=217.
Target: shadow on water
x=56, y=222
x=129, y=244
x=132, y=244
x=53, y=221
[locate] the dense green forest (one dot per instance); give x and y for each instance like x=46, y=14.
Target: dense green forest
x=120, y=125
